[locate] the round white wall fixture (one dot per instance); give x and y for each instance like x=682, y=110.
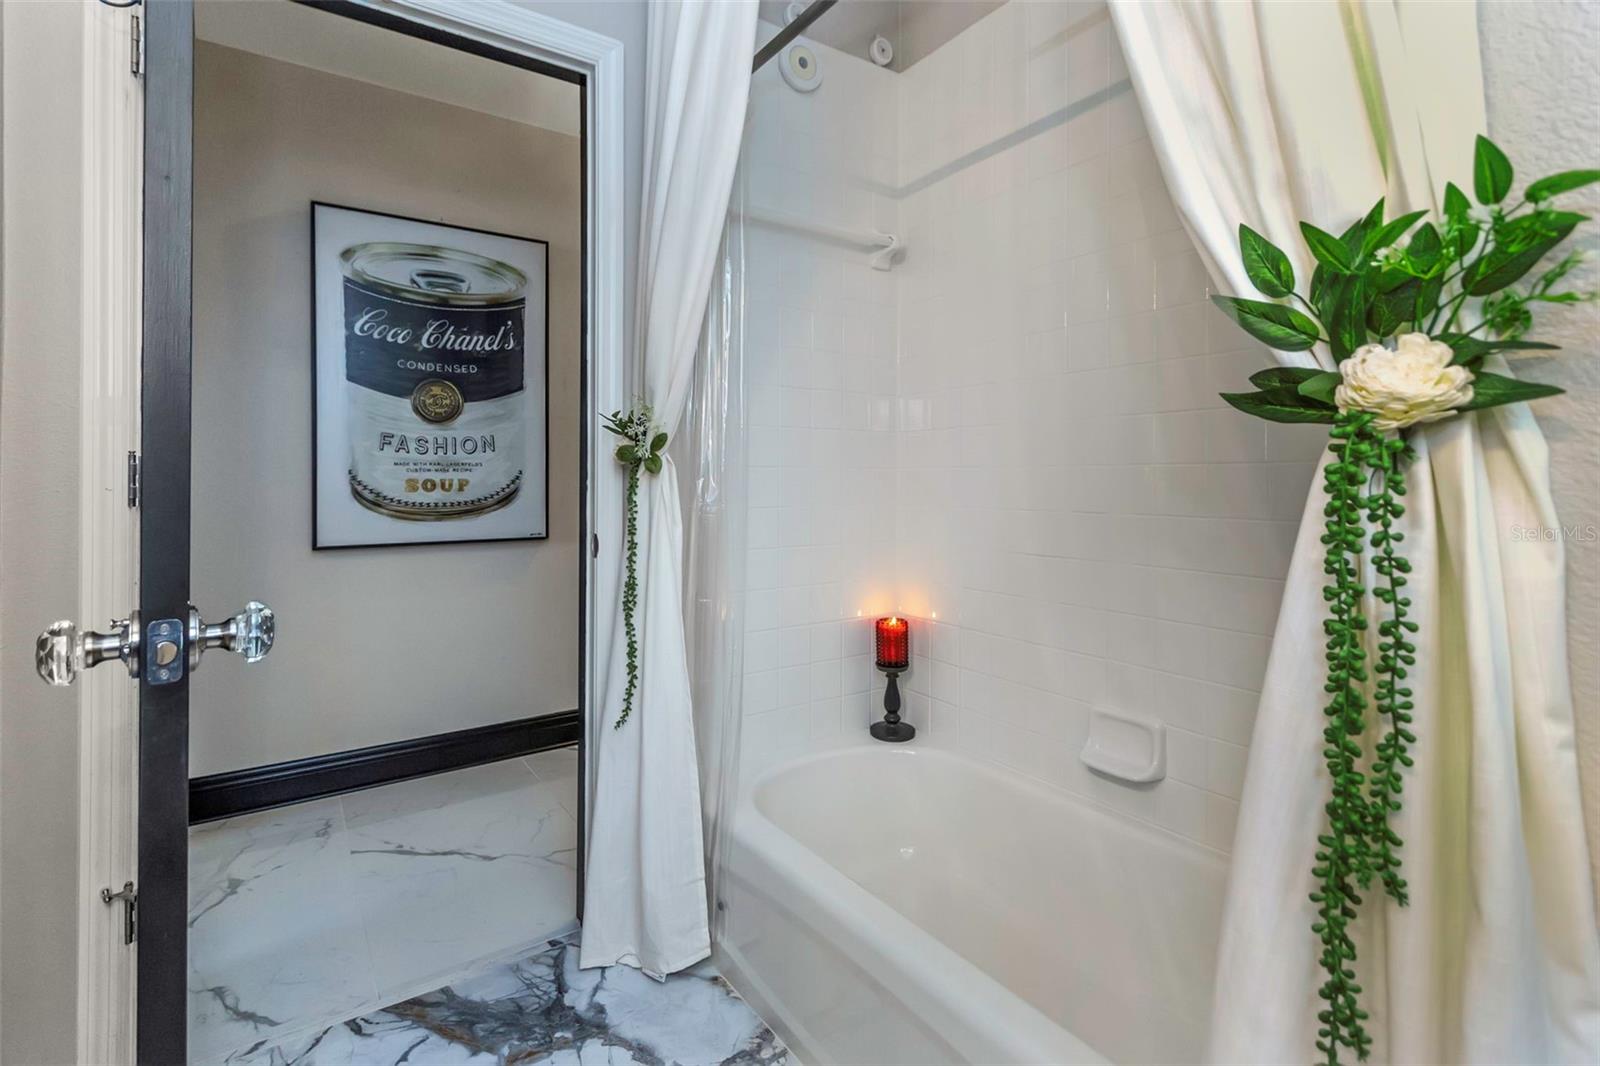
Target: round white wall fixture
x=795, y=9
x=881, y=51
x=799, y=66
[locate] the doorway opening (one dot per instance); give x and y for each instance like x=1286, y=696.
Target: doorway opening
x=389, y=444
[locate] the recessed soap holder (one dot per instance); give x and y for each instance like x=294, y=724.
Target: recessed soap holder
x=1126, y=746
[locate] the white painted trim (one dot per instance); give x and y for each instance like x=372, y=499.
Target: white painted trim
x=108, y=701
x=600, y=59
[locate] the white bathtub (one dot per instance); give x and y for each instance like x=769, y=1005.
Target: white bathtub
x=894, y=904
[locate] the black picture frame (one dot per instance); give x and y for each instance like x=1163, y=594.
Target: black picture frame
x=316, y=363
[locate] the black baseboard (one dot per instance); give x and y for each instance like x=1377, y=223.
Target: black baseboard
x=259, y=788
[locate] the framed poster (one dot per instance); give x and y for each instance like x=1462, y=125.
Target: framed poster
x=429, y=342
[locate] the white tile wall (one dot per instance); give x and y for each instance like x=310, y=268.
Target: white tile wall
x=1015, y=436
x=821, y=345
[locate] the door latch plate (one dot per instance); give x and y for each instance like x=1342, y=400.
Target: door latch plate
x=164, y=656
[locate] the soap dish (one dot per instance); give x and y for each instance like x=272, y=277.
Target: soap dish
x=1125, y=746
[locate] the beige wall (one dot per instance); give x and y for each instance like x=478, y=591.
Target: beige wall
x=40, y=351
x=1543, y=89
x=375, y=644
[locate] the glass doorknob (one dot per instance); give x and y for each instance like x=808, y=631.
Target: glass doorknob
x=63, y=651
x=249, y=633
x=57, y=655
x=254, y=629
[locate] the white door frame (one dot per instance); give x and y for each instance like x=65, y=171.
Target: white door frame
x=108, y=530
x=113, y=132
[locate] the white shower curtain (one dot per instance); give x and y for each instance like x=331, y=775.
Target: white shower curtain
x=645, y=895
x=1266, y=114
x=716, y=497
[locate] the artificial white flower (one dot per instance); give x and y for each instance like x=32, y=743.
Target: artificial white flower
x=1412, y=383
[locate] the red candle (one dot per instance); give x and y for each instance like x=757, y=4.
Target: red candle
x=893, y=644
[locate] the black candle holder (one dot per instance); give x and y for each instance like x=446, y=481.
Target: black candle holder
x=892, y=729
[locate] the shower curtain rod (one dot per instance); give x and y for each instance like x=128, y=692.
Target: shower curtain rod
x=781, y=39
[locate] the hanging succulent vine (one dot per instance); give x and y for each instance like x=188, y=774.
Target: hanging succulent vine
x=1388, y=313
x=1386, y=459
x=1363, y=484
x=641, y=450
x=1343, y=857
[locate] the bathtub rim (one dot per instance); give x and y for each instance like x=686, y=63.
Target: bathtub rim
x=1056, y=795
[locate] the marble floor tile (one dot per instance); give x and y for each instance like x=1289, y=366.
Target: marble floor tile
x=314, y=913
x=450, y=870
x=542, y=1009
x=558, y=765
x=269, y=943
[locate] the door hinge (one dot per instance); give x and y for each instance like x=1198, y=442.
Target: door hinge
x=136, y=60
x=130, y=909
x=133, y=479
x=594, y=544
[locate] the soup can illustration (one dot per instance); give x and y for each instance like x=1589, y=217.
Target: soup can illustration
x=433, y=352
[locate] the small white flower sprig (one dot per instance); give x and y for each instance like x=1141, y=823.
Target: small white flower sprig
x=1389, y=312
x=641, y=449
